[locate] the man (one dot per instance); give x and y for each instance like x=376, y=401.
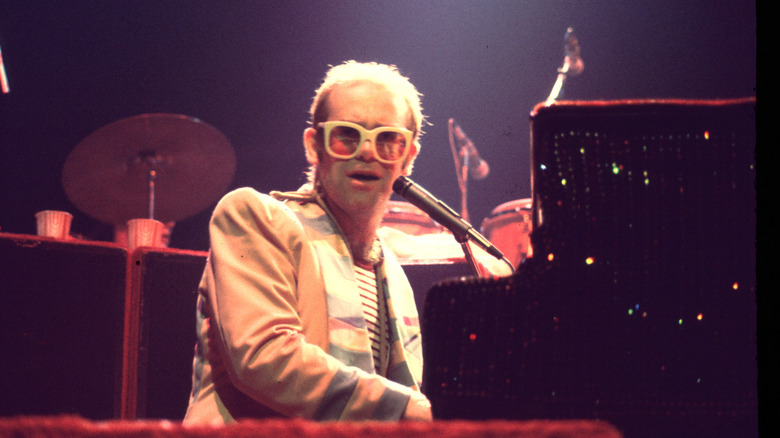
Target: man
x=301, y=312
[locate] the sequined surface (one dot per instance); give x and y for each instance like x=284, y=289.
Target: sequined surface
x=639, y=305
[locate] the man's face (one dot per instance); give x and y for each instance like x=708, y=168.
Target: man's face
x=362, y=184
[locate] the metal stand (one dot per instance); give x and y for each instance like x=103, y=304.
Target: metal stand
x=572, y=65
x=151, y=160
x=461, y=171
x=469, y=256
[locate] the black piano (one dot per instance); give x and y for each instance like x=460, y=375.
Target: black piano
x=638, y=306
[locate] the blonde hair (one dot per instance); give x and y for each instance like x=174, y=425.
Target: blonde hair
x=385, y=75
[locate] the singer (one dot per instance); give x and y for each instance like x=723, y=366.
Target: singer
x=301, y=311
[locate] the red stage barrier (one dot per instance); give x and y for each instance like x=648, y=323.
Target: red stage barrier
x=78, y=427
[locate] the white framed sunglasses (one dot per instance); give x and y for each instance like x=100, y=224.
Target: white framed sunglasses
x=343, y=140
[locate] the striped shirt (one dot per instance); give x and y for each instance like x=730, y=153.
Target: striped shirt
x=375, y=312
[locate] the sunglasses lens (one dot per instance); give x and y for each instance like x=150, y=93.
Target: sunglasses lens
x=344, y=140
x=390, y=145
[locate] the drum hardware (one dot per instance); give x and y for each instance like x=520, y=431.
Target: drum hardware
x=159, y=166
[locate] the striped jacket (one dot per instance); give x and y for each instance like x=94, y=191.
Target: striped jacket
x=280, y=325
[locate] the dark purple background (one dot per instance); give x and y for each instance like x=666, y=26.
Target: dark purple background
x=249, y=68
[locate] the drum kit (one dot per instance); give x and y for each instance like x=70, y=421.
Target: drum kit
x=165, y=167
x=508, y=227
x=169, y=167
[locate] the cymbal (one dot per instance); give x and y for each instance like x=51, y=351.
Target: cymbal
x=107, y=175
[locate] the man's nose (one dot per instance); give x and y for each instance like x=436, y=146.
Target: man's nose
x=366, y=151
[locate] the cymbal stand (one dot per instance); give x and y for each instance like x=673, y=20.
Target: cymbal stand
x=150, y=160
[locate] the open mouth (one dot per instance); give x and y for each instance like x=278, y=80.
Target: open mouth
x=364, y=176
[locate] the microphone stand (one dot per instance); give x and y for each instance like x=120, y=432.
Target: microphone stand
x=572, y=65
x=461, y=171
x=469, y=256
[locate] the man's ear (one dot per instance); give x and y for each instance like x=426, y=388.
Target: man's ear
x=311, y=145
x=410, y=159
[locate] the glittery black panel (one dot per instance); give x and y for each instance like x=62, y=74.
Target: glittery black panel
x=639, y=306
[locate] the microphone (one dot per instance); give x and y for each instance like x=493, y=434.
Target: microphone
x=478, y=168
x=443, y=214
x=571, y=51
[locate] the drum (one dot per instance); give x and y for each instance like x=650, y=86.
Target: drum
x=404, y=216
x=509, y=228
